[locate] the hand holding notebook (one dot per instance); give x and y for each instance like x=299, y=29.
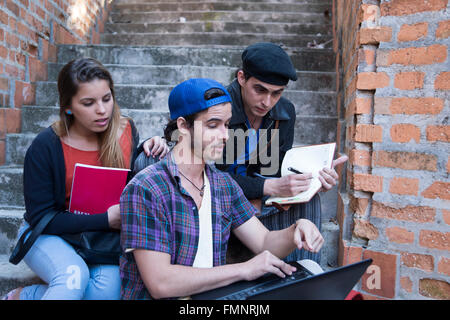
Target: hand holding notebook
x=306, y=160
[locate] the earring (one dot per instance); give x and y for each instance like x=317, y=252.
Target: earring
x=68, y=112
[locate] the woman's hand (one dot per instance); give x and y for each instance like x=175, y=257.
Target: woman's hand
x=156, y=146
x=114, y=216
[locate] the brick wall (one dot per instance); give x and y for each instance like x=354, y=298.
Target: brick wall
x=393, y=123
x=29, y=33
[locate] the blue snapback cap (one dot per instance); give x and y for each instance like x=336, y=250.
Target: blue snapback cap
x=188, y=97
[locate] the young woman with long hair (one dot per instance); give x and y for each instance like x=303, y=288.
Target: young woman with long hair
x=91, y=131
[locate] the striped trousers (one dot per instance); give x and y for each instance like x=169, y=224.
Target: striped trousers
x=275, y=220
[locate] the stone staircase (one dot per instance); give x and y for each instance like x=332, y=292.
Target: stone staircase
x=150, y=46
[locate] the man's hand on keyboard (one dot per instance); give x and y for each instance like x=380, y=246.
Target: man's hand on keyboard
x=263, y=263
x=307, y=236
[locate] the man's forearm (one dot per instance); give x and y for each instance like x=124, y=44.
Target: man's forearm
x=181, y=281
x=280, y=242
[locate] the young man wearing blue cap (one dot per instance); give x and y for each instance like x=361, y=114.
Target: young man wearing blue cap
x=258, y=108
x=177, y=214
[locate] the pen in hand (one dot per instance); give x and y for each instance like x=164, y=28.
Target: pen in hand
x=294, y=170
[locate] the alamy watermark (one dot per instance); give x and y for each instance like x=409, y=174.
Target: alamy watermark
x=264, y=150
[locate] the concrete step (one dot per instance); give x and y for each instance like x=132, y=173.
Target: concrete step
x=37, y=118
x=220, y=6
x=303, y=59
x=329, y=251
x=211, y=38
x=170, y=75
x=10, y=221
x=230, y=16
x=155, y=97
x=219, y=26
x=11, y=186
x=12, y=276
x=148, y=124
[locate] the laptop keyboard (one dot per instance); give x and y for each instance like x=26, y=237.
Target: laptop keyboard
x=268, y=283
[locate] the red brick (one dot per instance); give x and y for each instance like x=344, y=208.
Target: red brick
x=384, y=266
x=406, y=284
x=367, y=182
x=399, y=235
x=409, y=80
x=443, y=30
x=405, y=132
x=359, y=205
x=405, y=160
x=363, y=105
x=434, y=239
x=375, y=35
x=360, y=158
x=366, y=56
x=350, y=109
x=368, y=12
x=4, y=84
x=3, y=17
x=12, y=120
x=404, y=186
x=438, y=189
x=444, y=266
x=348, y=254
x=436, y=289
x=368, y=133
x=442, y=81
x=407, y=213
x=412, y=32
x=438, y=133
x=364, y=229
x=411, y=105
x=436, y=53
x=38, y=70
x=405, y=7
x=446, y=216
x=370, y=297
x=12, y=40
x=419, y=261
x=24, y=94
x=4, y=52
x=2, y=152
x=13, y=7
x=11, y=71
x=372, y=80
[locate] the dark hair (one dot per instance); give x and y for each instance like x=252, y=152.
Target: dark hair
x=172, y=126
x=246, y=74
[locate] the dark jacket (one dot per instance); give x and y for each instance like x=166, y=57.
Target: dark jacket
x=44, y=177
x=284, y=112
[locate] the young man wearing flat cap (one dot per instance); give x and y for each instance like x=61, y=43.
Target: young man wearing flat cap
x=258, y=107
x=177, y=214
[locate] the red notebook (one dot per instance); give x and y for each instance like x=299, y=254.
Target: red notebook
x=95, y=189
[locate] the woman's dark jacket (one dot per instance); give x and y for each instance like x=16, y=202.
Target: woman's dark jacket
x=44, y=178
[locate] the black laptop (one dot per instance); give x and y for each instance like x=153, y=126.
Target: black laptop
x=302, y=285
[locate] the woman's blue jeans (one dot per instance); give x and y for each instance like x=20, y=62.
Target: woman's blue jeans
x=67, y=276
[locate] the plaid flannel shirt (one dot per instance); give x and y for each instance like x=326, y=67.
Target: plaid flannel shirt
x=158, y=214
